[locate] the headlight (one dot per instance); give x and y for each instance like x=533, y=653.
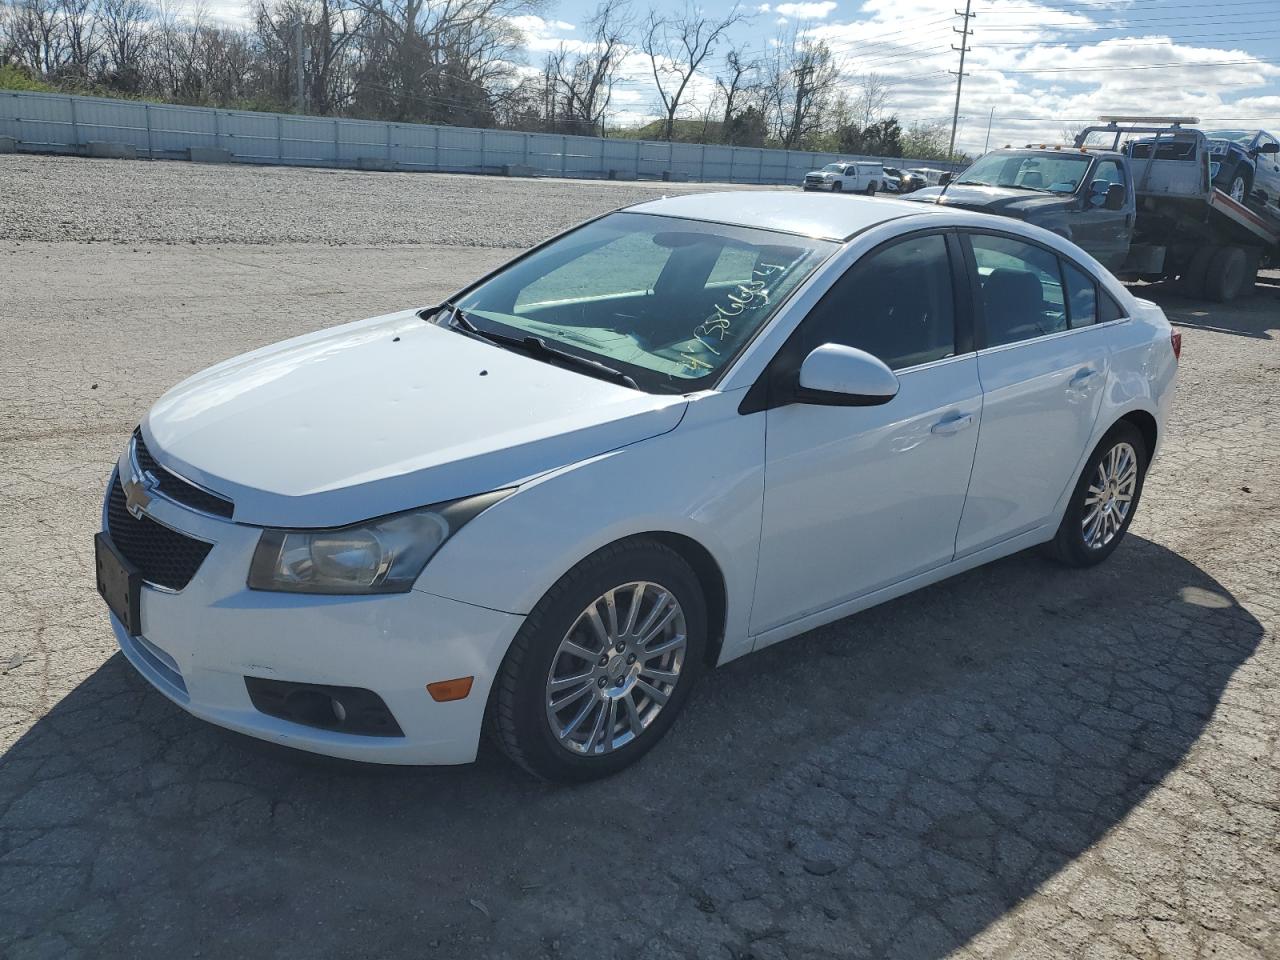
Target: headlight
x=377, y=556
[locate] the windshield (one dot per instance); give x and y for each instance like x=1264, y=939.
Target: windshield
x=668, y=302
x=834, y=168
x=893, y=171
x=1243, y=137
x=1047, y=173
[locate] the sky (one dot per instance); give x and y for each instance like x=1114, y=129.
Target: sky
x=1034, y=67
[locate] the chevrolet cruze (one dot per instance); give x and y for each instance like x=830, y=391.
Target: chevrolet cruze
x=671, y=436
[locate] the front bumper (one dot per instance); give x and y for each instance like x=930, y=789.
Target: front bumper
x=825, y=185
x=198, y=646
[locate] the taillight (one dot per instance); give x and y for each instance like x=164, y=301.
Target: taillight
x=1175, y=339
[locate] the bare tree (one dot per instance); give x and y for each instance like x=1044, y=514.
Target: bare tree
x=870, y=99
x=36, y=35
x=125, y=25
x=581, y=81
x=800, y=79
x=736, y=84
x=80, y=33
x=677, y=47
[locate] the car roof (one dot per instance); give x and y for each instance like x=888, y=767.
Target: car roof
x=787, y=211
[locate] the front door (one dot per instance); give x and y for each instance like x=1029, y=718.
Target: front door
x=857, y=498
x=1104, y=233
x=1267, y=175
x=1043, y=366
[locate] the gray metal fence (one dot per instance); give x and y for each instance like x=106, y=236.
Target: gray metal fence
x=59, y=123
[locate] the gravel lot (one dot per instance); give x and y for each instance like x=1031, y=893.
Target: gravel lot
x=1020, y=762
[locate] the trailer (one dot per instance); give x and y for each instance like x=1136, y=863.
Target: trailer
x=1184, y=227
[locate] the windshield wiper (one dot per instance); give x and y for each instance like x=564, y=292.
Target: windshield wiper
x=536, y=346
x=971, y=183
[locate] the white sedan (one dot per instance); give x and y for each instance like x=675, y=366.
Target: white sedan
x=664, y=439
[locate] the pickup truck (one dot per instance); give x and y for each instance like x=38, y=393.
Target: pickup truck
x=1145, y=205
x=1086, y=196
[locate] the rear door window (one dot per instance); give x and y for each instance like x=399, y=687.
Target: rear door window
x=1020, y=286
x=1082, y=296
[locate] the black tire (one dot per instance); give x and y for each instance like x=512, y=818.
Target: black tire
x=871, y=189
x=837, y=187
x=1225, y=279
x=1244, y=180
x=518, y=709
x=1191, y=279
x=1068, y=545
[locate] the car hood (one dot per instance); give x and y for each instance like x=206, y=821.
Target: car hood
x=384, y=415
x=998, y=200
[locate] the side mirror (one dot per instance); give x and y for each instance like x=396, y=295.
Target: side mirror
x=840, y=376
x=1116, y=196
x=1269, y=147
x=945, y=179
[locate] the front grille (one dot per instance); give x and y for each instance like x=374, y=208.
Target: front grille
x=162, y=556
x=177, y=489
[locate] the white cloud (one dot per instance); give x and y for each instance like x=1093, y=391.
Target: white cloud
x=541, y=35
x=816, y=10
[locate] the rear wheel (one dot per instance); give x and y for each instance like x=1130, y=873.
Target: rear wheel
x=1228, y=271
x=871, y=189
x=1191, y=279
x=603, y=664
x=1104, y=500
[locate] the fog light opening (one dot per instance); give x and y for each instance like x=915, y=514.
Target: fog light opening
x=315, y=708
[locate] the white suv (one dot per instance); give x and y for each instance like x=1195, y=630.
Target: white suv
x=863, y=176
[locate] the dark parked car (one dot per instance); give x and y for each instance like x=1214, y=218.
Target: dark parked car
x=1245, y=164
x=908, y=182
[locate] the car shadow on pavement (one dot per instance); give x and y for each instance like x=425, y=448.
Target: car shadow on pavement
x=886, y=786
x=1255, y=315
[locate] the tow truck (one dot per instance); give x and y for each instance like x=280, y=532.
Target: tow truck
x=1184, y=226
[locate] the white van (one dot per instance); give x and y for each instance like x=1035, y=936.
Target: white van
x=861, y=176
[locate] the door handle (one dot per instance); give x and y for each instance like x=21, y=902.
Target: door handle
x=1083, y=378
x=945, y=428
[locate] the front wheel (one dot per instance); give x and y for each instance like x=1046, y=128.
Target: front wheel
x=1239, y=191
x=603, y=663
x=837, y=187
x=1104, y=500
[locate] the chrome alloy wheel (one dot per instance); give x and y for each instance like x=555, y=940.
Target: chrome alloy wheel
x=616, y=668
x=1110, y=496
x=1237, y=189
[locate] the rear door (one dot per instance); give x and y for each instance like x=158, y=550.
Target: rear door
x=1043, y=361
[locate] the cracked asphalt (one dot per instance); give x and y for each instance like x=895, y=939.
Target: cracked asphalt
x=1023, y=761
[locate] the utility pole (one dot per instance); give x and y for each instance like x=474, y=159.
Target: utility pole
x=299, y=90
x=965, y=33
x=990, y=117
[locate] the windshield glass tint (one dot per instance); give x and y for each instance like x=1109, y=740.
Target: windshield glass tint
x=669, y=302
x=1055, y=173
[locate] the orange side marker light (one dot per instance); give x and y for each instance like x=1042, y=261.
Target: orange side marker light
x=442, y=691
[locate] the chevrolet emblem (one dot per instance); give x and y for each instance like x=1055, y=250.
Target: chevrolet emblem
x=137, y=494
